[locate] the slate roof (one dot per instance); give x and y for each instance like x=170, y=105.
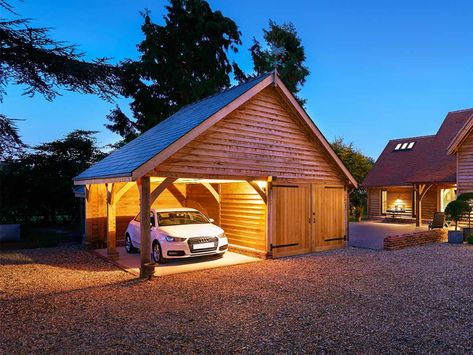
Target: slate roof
x=79, y=191
x=122, y=162
x=427, y=162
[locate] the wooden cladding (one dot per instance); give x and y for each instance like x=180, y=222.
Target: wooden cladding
x=177, y=195
x=304, y=218
x=96, y=215
x=261, y=138
x=374, y=202
x=292, y=214
x=308, y=217
x=404, y=196
x=401, y=197
x=330, y=216
x=243, y=216
x=465, y=165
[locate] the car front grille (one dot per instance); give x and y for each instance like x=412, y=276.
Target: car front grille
x=200, y=240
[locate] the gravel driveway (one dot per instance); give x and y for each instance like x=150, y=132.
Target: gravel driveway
x=416, y=300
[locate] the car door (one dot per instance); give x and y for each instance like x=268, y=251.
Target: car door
x=135, y=235
x=137, y=229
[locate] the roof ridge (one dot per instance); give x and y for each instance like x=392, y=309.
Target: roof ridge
x=224, y=90
x=404, y=138
x=462, y=110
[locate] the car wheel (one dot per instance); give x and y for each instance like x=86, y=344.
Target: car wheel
x=157, y=253
x=129, y=245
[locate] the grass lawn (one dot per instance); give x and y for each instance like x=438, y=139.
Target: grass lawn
x=416, y=300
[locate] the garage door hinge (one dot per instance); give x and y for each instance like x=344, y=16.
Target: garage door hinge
x=283, y=245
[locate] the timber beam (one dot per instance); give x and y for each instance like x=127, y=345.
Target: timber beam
x=160, y=188
x=211, y=189
x=259, y=190
x=420, y=191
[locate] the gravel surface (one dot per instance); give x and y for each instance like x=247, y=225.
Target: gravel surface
x=417, y=300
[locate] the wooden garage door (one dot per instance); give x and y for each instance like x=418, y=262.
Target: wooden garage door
x=307, y=217
x=291, y=227
x=330, y=217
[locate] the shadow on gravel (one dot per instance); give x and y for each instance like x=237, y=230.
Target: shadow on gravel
x=120, y=284
x=74, y=258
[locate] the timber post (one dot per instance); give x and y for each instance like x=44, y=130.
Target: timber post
x=112, y=252
x=146, y=267
x=418, y=206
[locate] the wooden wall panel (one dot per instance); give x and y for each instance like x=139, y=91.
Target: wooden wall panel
x=243, y=216
x=403, y=194
x=430, y=203
x=96, y=215
x=330, y=217
x=374, y=202
x=291, y=212
x=261, y=138
x=465, y=166
x=200, y=198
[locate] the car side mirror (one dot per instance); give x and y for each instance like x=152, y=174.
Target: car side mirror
x=211, y=220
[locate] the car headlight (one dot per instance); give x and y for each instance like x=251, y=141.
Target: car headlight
x=174, y=239
x=222, y=235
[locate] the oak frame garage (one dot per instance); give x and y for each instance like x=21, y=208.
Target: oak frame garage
x=249, y=155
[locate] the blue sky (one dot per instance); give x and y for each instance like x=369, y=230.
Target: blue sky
x=380, y=69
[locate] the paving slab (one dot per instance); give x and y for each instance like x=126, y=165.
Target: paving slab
x=371, y=234
x=131, y=262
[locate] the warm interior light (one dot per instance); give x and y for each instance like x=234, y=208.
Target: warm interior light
x=262, y=185
x=156, y=179
x=398, y=204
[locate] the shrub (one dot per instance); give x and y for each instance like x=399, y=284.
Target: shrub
x=469, y=238
x=456, y=209
x=467, y=197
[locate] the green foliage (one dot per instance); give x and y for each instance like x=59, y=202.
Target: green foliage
x=10, y=141
x=469, y=238
x=359, y=165
x=456, y=209
x=30, y=58
x=37, y=187
x=356, y=162
x=181, y=62
x=467, y=196
x=283, y=50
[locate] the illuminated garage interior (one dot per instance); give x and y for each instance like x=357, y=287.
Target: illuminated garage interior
x=249, y=157
x=235, y=205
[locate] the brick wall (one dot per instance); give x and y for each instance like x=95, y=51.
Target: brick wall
x=394, y=242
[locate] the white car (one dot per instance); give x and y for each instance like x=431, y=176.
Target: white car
x=178, y=233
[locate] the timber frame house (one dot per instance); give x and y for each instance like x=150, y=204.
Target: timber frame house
x=417, y=176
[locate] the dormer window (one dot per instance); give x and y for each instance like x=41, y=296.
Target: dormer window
x=404, y=146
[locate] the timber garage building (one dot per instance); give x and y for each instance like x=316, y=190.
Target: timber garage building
x=248, y=157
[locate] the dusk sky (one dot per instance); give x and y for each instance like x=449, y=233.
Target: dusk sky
x=380, y=69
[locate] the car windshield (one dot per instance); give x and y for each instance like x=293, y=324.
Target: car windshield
x=176, y=218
